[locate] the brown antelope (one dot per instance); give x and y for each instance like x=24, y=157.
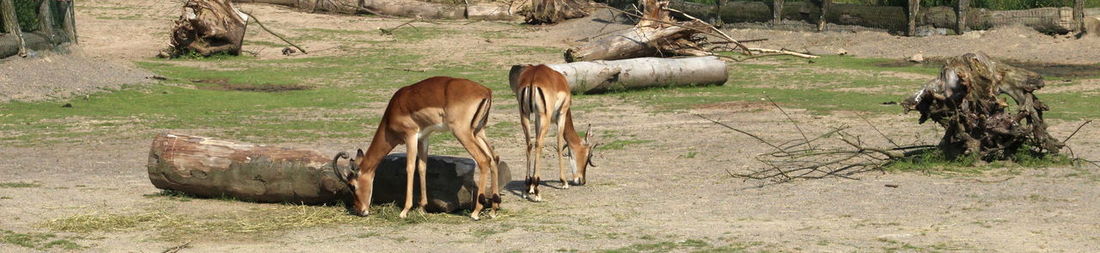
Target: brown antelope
x=544, y=97
x=415, y=112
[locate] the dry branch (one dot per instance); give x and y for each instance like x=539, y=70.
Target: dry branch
x=277, y=35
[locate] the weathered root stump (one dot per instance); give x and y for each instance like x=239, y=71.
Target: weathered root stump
x=207, y=27
x=966, y=100
x=207, y=167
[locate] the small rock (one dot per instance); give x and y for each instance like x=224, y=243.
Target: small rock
x=972, y=35
x=841, y=52
x=67, y=105
x=918, y=58
x=289, y=51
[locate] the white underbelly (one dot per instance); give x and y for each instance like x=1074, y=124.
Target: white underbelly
x=427, y=131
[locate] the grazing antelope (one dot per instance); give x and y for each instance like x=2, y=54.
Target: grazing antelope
x=414, y=113
x=544, y=97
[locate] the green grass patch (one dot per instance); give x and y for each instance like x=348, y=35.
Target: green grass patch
x=934, y=161
x=241, y=97
x=20, y=185
x=622, y=144
x=663, y=246
x=832, y=83
x=38, y=241
x=829, y=84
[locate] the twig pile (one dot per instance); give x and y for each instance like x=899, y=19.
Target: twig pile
x=803, y=159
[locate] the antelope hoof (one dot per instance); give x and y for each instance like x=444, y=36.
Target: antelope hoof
x=492, y=214
x=534, y=198
x=564, y=184
x=404, y=214
x=475, y=217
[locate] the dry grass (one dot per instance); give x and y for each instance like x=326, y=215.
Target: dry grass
x=250, y=223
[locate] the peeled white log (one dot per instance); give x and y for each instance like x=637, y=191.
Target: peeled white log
x=603, y=76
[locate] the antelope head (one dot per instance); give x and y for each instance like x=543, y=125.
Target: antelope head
x=582, y=158
x=359, y=186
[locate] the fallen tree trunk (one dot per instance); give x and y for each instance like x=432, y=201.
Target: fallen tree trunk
x=965, y=101
x=10, y=45
x=11, y=25
x=603, y=76
x=208, y=167
x=637, y=42
x=399, y=8
x=208, y=27
x=892, y=18
x=655, y=34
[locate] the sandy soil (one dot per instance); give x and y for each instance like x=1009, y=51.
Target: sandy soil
x=646, y=193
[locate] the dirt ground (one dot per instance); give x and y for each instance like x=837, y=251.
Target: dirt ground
x=672, y=190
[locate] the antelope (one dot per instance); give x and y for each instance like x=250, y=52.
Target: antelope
x=544, y=97
x=413, y=113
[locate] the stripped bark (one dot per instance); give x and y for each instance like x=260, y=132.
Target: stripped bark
x=603, y=76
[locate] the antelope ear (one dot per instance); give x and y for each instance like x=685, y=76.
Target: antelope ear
x=359, y=153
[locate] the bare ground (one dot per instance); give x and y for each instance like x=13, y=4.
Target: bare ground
x=672, y=189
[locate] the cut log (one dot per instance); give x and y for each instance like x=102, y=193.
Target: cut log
x=603, y=76
x=11, y=25
x=207, y=167
x=208, y=27
x=1092, y=26
x=554, y=11
x=399, y=8
x=11, y=45
x=965, y=101
x=892, y=18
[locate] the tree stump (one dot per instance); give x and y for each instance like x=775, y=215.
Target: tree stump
x=207, y=167
x=207, y=27
x=965, y=101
